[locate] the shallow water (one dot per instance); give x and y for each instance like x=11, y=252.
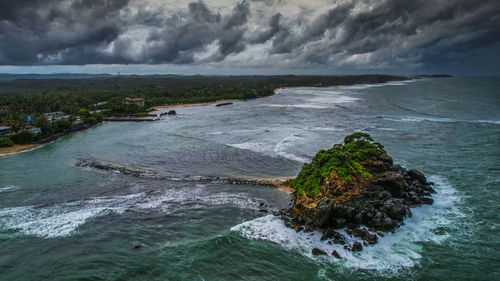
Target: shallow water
x=60, y=221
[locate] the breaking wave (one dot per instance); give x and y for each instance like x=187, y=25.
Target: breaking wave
x=64, y=219
x=441, y=119
x=280, y=149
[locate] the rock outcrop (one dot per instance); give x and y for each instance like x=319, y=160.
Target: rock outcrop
x=357, y=187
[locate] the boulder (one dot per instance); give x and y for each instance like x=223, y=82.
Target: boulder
x=172, y=112
x=427, y=200
x=324, y=212
x=417, y=175
x=318, y=252
x=392, y=182
x=335, y=254
x=356, y=247
x=370, y=238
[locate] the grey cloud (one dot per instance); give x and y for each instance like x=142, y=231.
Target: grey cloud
x=185, y=34
x=274, y=27
x=390, y=33
x=32, y=32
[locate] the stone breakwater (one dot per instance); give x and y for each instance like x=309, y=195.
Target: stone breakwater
x=363, y=207
x=152, y=174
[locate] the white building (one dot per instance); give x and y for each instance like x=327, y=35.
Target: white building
x=54, y=116
x=136, y=101
x=4, y=129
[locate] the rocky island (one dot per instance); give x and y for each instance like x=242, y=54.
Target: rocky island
x=354, y=186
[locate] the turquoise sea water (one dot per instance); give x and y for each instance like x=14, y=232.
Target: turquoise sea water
x=59, y=221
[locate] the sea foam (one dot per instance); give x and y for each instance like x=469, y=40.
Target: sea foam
x=64, y=219
x=392, y=255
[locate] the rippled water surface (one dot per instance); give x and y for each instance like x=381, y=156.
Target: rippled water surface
x=60, y=221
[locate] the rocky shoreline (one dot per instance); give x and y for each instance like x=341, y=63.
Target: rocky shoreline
x=364, y=206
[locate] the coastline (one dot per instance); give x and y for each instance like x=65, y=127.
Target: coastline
x=275, y=91
x=17, y=148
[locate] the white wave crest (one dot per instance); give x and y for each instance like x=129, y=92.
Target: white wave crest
x=282, y=147
x=258, y=147
x=64, y=219
x=443, y=120
x=7, y=188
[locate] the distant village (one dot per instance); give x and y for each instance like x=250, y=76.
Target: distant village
x=44, y=127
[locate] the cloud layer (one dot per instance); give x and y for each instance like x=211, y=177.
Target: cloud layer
x=363, y=34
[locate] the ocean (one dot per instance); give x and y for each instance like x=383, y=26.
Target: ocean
x=62, y=221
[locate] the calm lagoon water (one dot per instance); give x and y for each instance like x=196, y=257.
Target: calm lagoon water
x=59, y=221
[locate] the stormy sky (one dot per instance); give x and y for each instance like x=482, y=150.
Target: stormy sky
x=250, y=36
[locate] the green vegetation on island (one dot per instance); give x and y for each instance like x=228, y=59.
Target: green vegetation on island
x=344, y=159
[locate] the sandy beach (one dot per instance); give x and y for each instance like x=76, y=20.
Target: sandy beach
x=16, y=148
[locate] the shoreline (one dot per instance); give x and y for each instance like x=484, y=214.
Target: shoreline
x=275, y=91
x=17, y=148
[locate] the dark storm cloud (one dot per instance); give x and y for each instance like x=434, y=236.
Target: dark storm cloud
x=185, y=34
x=38, y=32
x=274, y=27
x=430, y=30
x=352, y=33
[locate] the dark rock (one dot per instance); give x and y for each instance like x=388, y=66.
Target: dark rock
x=427, y=200
x=417, y=175
x=318, y=252
x=358, y=231
x=395, y=208
x=350, y=212
x=335, y=254
x=328, y=234
x=324, y=212
x=359, y=218
x=370, y=238
x=339, y=223
x=392, y=182
x=388, y=223
x=308, y=227
x=364, y=234
x=384, y=195
x=356, y=247
x=172, y=112
x=429, y=188
x=385, y=158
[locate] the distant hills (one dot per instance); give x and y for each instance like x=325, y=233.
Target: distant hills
x=11, y=77
x=8, y=76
